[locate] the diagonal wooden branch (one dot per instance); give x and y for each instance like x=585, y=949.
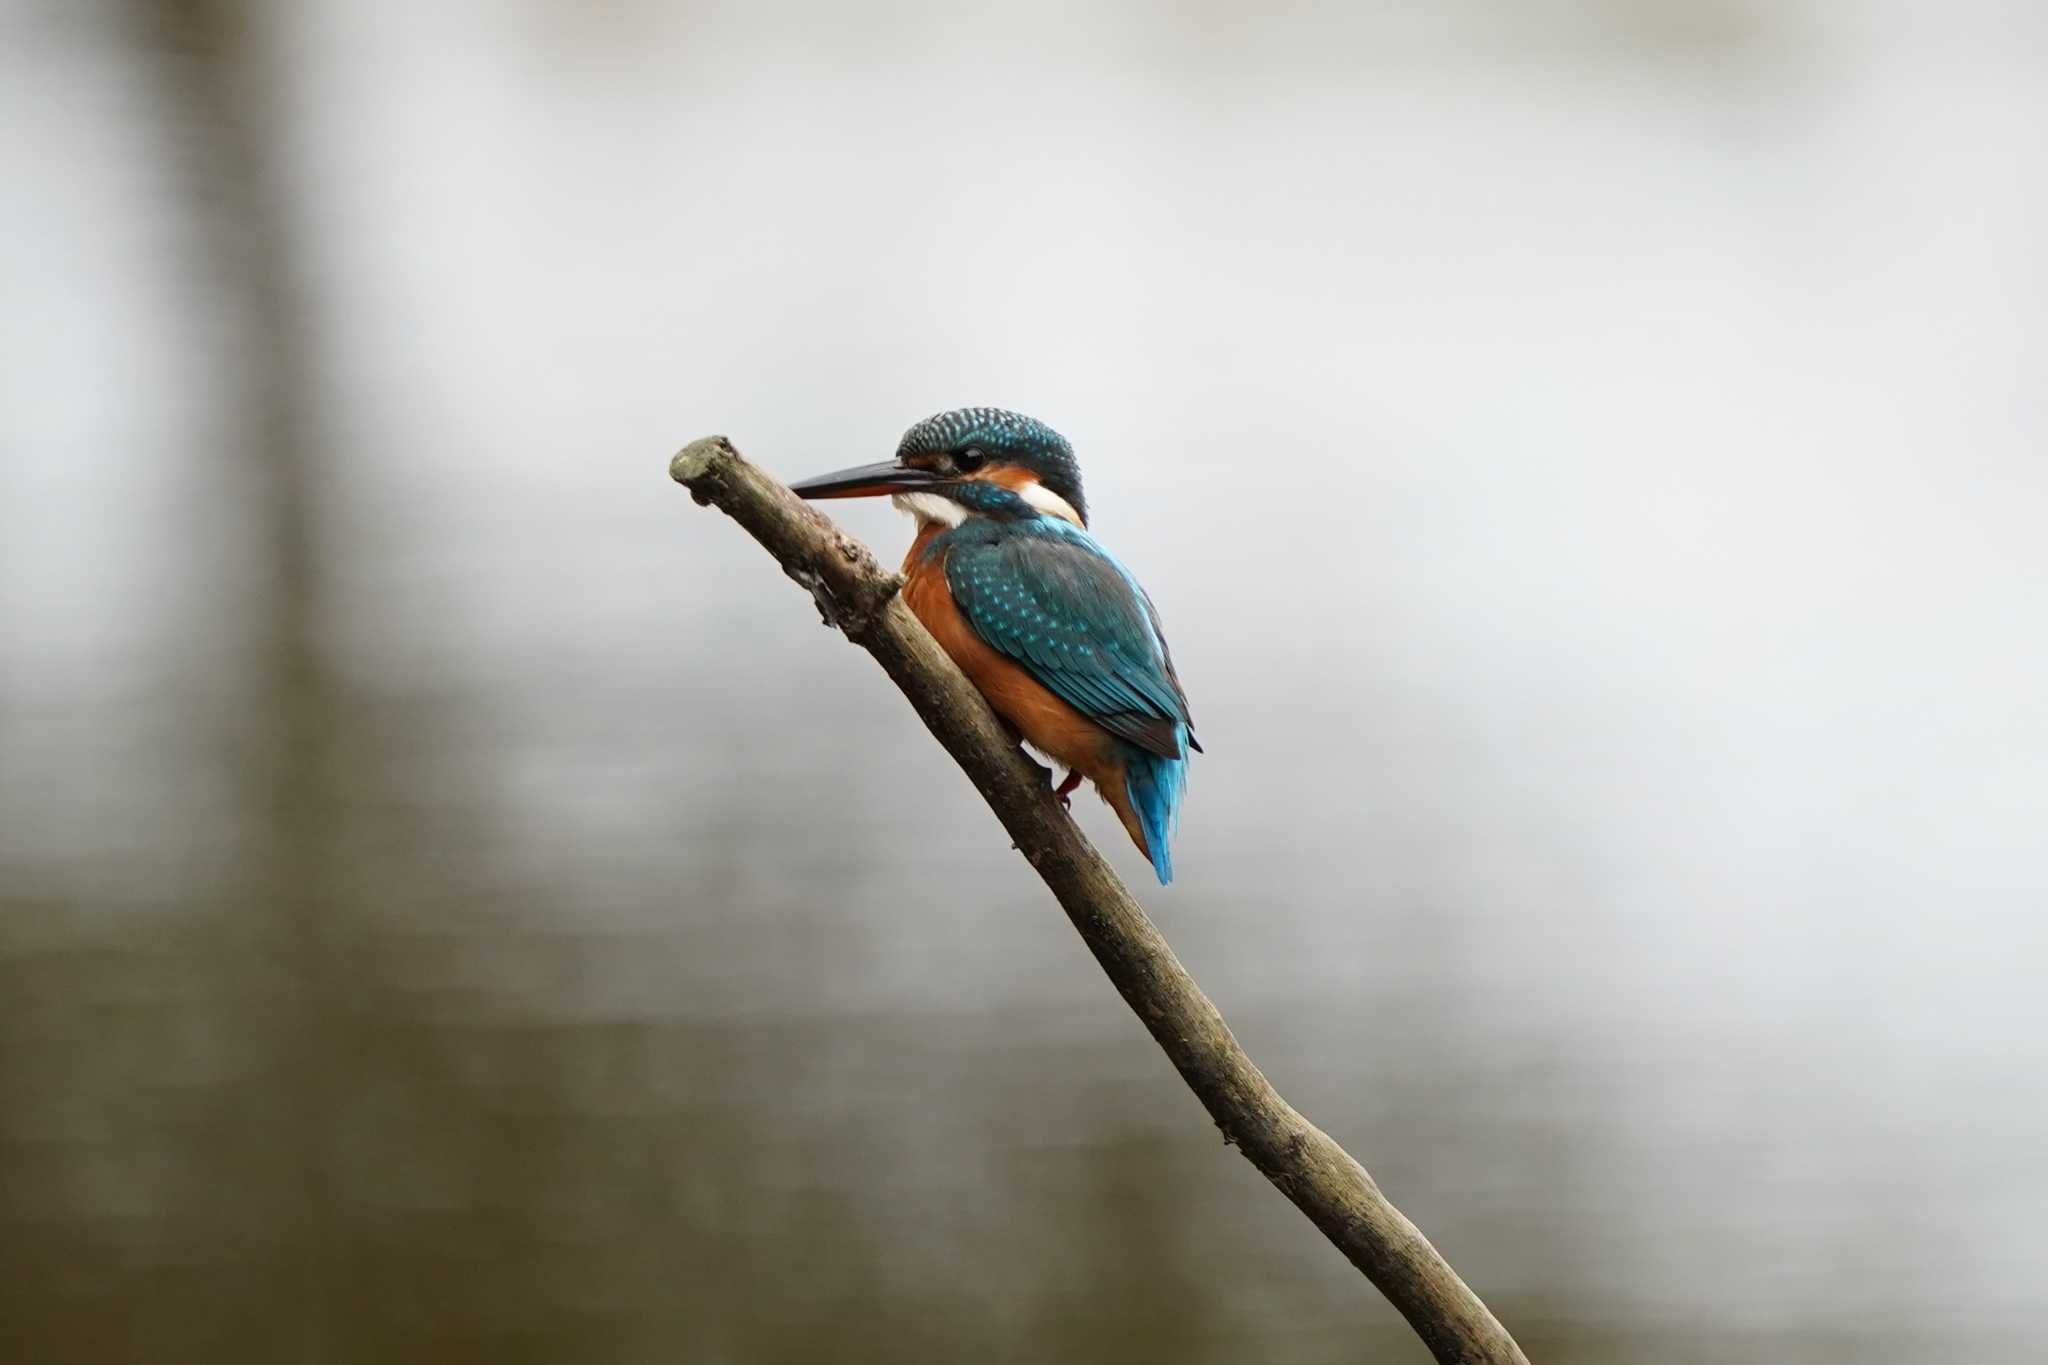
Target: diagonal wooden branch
x=859, y=596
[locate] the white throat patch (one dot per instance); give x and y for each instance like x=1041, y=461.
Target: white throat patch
x=1049, y=502
x=930, y=507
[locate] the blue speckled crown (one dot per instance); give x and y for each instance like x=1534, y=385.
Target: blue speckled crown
x=1008, y=438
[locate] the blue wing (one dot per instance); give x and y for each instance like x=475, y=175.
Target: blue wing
x=1046, y=594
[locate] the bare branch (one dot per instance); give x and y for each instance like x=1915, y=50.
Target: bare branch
x=859, y=596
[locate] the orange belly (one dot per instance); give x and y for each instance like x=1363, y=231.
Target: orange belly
x=1045, y=721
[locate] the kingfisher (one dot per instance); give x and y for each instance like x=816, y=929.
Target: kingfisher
x=1049, y=625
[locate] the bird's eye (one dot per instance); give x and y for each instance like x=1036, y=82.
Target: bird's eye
x=970, y=459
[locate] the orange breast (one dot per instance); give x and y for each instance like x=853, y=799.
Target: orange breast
x=1050, y=724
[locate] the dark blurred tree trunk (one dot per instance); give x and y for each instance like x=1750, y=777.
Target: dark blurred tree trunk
x=219, y=83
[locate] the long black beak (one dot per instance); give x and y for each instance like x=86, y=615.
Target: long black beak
x=865, y=481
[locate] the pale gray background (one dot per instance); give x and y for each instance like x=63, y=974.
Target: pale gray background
x=455, y=903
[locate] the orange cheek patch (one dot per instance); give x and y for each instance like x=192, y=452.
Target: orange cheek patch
x=1020, y=482
x=1006, y=476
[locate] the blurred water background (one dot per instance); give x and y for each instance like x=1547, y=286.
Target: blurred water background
x=455, y=903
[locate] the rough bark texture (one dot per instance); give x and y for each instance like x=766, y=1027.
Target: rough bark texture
x=1304, y=1163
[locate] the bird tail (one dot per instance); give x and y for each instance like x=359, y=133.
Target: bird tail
x=1155, y=786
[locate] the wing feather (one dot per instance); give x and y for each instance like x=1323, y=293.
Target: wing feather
x=1049, y=596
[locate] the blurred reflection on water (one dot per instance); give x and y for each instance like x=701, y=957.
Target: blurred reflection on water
x=457, y=904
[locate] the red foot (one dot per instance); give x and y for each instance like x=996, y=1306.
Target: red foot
x=1065, y=790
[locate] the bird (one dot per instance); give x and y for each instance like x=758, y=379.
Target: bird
x=1050, y=626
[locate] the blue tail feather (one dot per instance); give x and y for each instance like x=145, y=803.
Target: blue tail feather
x=1155, y=786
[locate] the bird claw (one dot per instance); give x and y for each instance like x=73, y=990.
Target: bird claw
x=1063, y=793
